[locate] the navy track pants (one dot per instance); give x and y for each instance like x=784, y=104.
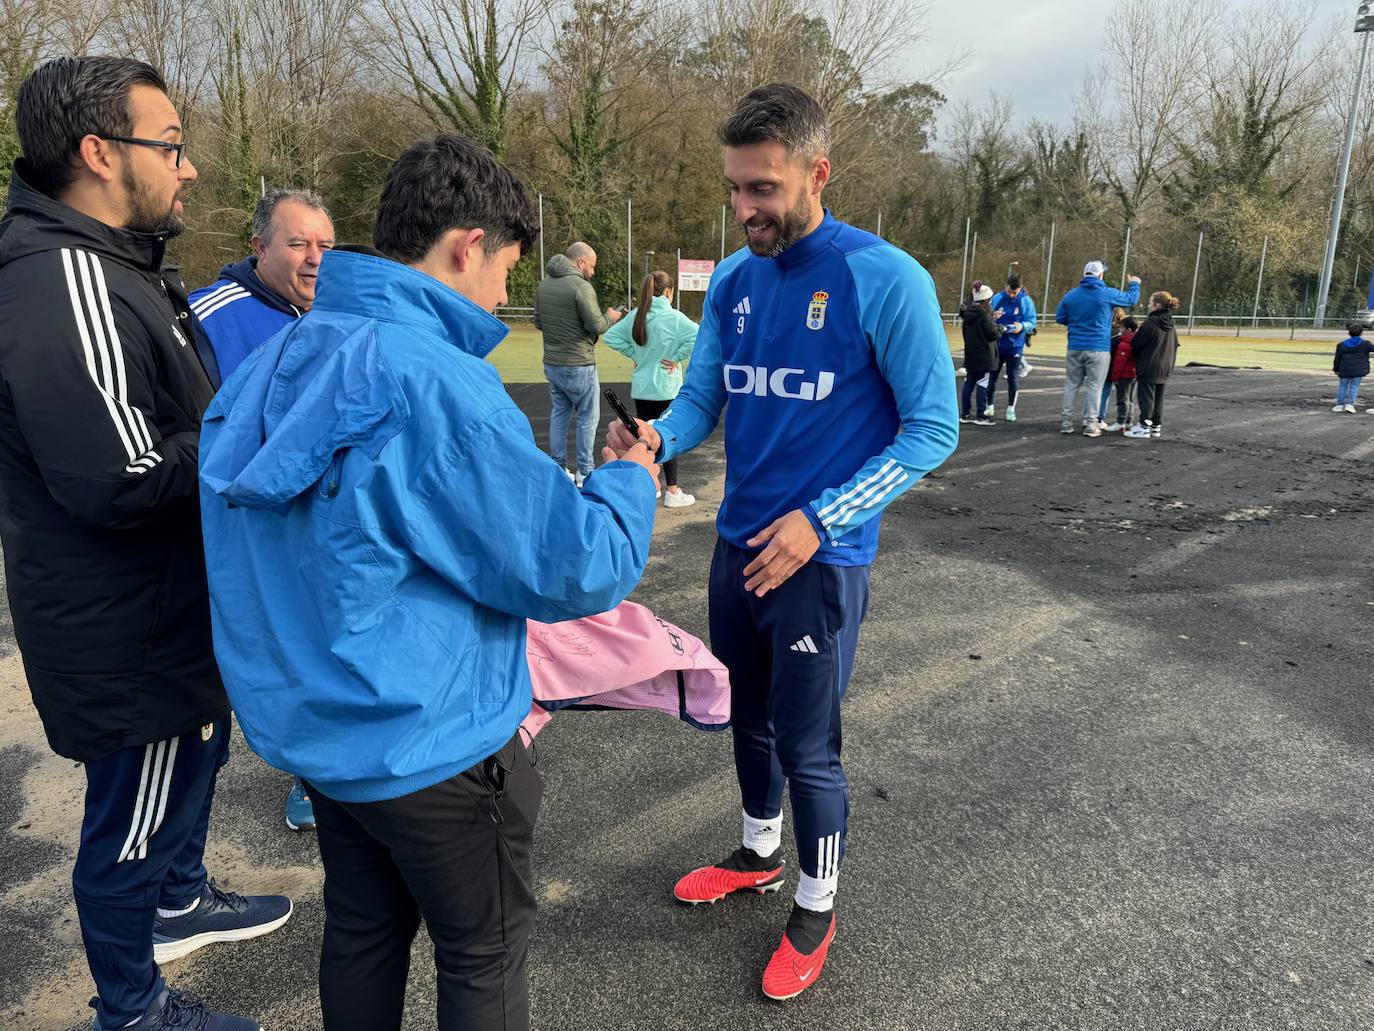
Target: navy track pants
x=142, y=847
x=790, y=654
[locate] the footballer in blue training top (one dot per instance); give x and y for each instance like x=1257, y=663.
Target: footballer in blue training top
x=823, y=346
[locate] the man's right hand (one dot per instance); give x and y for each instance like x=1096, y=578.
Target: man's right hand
x=619, y=440
x=1133, y=279
x=614, y=314
x=639, y=454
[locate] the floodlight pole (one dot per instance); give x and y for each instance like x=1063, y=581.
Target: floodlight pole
x=1049, y=264
x=1363, y=26
x=1192, y=299
x=629, y=253
x=1259, y=283
x=1126, y=257
x=963, y=269
x=722, y=232
x=541, y=236
x=677, y=293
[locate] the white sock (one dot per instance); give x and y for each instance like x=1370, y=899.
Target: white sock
x=817, y=893
x=763, y=837
x=168, y=913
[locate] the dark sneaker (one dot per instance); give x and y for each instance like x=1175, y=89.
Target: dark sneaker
x=178, y=1009
x=744, y=870
x=221, y=916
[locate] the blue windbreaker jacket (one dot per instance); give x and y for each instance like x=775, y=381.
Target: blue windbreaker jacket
x=1014, y=309
x=378, y=525
x=238, y=312
x=823, y=354
x=1087, y=311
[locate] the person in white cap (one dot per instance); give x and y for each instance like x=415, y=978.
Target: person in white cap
x=1086, y=311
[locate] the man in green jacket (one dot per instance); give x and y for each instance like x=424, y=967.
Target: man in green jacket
x=565, y=311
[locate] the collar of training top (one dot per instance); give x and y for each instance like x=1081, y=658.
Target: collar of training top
x=810, y=245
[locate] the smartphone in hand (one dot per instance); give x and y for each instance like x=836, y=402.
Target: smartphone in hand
x=621, y=413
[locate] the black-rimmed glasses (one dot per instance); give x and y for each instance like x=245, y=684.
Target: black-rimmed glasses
x=177, y=148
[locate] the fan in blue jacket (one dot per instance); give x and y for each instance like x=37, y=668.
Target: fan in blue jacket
x=379, y=525
x=1087, y=312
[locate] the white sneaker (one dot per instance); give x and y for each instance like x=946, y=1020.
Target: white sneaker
x=579, y=480
x=1065, y=428
x=1338, y=408
x=1092, y=429
x=1138, y=433
x=1350, y=409
x=569, y=474
x=678, y=499
x=1115, y=427
x=989, y=412
x=1026, y=368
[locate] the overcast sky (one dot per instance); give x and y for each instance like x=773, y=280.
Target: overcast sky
x=1037, y=51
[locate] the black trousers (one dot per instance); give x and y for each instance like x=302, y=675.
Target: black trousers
x=458, y=855
x=1151, y=403
x=647, y=409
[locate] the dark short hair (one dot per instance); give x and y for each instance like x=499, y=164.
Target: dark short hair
x=781, y=113
x=1129, y=322
x=267, y=206
x=64, y=100
x=446, y=183
x=1355, y=329
x=1013, y=281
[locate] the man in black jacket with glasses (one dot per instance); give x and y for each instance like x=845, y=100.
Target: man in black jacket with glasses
x=102, y=387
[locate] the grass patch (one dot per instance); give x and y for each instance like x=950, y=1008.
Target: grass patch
x=520, y=358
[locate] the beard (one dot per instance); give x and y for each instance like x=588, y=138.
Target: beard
x=147, y=214
x=790, y=228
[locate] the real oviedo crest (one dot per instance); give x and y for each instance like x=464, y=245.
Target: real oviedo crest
x=815, y=311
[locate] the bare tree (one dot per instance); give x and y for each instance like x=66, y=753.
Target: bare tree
x=1159, y=50
x=462, y=59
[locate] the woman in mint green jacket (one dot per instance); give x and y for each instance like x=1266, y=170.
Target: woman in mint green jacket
x=658, y=339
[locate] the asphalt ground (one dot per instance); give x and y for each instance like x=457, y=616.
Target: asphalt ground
x=1108, y=738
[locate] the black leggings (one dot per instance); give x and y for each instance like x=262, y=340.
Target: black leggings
x=1151, y=398
x=646, y=410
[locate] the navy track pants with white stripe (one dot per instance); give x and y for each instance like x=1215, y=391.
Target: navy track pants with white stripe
x=142, y=842
x=790, y=654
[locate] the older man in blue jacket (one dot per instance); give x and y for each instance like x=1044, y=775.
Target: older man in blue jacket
x=1087, y=312
x=378, y=525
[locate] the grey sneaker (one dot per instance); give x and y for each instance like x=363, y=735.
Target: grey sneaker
x=1092, y=430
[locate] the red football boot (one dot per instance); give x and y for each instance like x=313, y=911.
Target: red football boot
x=790, y=972
x=742, y=871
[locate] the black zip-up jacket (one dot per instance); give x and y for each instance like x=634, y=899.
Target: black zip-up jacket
x=981, y=334
x=1155, y=348
x=1352, y=358
x=101, y=393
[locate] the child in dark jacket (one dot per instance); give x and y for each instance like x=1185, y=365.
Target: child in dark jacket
x=1122, y=373
x=1351, y=366
x=981, y=334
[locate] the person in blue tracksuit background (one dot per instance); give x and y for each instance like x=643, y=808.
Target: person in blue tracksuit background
x=1086, y=311
x=823, y=346
x=273, y=286
x=256, y=297
x=1015, y=313
x=379, y=524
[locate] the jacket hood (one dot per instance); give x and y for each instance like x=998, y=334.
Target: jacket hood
x=34, y=223
x=562, y=265
x=245, y=274
x=1353, y=342
x=325, y=385
x=1164, y=318
x=972, y=312
x=1092, y=283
